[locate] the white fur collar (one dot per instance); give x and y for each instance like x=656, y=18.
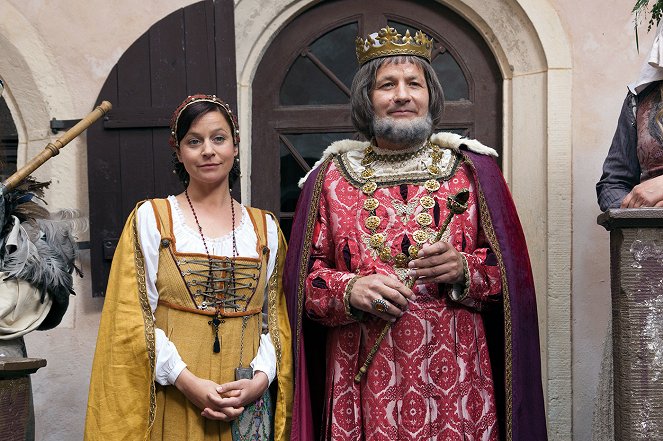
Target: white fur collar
x=447, y=140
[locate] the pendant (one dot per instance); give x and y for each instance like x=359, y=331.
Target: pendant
x=215, y=322
x=243, y=373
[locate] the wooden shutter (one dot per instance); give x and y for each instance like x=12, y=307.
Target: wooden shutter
x=190, y=51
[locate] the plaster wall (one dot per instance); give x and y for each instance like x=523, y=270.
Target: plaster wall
x=55, y=56
x=605, y=60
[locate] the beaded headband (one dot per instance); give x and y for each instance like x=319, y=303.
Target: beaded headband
x=388, y=42
x=197, y=98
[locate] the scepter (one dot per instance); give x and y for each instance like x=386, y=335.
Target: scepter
x=457, y=204
x=53, y=148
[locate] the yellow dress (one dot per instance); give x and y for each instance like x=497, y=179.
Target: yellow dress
x=124, y=402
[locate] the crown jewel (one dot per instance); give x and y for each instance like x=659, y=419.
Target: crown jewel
x=388, y=42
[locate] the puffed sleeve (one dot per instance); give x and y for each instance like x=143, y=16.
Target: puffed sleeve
x=169, y=364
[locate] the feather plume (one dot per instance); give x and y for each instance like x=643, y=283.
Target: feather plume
x=43, y=251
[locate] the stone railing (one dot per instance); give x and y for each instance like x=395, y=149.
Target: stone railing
x=636, y=273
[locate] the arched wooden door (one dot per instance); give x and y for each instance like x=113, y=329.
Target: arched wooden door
x=8, y=141
x=302, y=86
x=190, y=51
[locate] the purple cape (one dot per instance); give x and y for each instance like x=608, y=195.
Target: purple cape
x=512, y=329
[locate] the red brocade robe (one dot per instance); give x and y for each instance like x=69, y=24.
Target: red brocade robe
x=431, y=377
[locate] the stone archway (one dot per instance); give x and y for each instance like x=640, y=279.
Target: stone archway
x=31, y=84
x=534, y=55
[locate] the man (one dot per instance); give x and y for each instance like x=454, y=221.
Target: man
x=399, y=293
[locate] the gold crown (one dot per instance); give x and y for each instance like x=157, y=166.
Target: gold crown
x=388, y=42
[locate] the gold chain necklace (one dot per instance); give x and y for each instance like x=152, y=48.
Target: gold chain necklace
x=378, y=240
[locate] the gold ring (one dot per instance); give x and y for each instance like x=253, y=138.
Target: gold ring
x=380, y=305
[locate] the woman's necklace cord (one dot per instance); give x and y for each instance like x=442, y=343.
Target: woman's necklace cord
x=216, y=321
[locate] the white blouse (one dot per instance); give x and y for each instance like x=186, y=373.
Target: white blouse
x=169, y=363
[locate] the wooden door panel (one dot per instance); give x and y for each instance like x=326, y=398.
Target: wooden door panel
x=190, y=51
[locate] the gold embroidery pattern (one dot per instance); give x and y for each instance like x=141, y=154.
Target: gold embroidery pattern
x=308, y=237
x=346, y=297
x=489, y=231
x=446, y=171
x=148, y=319
x=272, y=315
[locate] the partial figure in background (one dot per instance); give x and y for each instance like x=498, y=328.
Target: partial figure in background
x=633, y=170
x=38, y=252
x=37, y=259
x=408, y=265
x=194, y=327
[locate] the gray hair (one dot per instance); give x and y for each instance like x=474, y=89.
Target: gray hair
x=364, y=82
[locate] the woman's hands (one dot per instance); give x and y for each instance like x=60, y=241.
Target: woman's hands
x=223, y=402
x=201, y=393
x=229, y=399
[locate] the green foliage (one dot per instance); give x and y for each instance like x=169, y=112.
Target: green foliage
x=640, y=10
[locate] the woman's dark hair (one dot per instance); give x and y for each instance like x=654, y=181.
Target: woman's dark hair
x=186, y=117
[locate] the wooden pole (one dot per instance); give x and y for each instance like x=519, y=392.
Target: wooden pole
x=53, y=148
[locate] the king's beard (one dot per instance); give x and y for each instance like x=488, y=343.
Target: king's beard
x=405, y=133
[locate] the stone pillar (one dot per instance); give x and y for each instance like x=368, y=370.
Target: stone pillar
x=16, y=410
x=636, y=273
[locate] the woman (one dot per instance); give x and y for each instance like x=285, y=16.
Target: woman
x=633, y=169
x=194, y=327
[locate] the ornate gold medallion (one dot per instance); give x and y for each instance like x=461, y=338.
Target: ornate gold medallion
x=413, y=251
x=372, y=222
x=434, y=169
x=367, y=173
x=369, y=188
x=401, y=259
x=424, y=219
x=371, y=204
x=427, y=202
x=385, y=255
x=420, y=236
x=432, y=185
x=376, y=240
